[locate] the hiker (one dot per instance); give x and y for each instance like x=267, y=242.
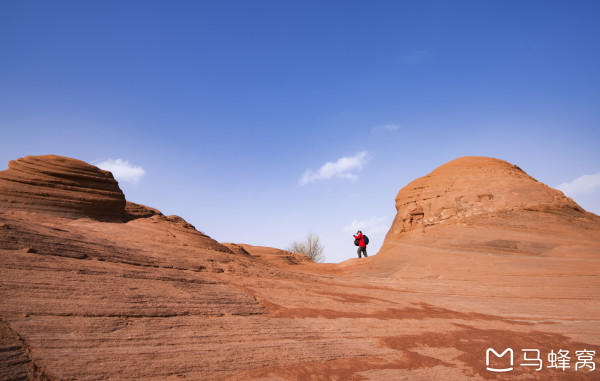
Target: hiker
x=361, y=241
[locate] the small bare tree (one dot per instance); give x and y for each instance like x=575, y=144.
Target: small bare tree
x=311, y=247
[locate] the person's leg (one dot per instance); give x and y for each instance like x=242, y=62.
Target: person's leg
x=358, y=251
x=365, y=251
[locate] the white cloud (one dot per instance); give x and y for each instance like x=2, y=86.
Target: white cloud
x=122, y=170
x=342, y=168
x=386, y=127
x=581, y=185
x=374, y=225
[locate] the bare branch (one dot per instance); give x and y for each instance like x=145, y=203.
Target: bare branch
x=311, y=247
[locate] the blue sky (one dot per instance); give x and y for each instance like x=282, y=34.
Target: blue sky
x=259, y=121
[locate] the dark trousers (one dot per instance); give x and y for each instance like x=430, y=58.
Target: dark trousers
x=363, y=249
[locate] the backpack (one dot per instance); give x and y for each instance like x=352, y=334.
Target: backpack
x=365, y=238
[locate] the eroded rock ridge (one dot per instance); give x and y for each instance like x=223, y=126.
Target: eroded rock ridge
x=469, y=186
x=61, y=186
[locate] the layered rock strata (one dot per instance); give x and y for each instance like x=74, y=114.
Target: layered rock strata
x=61, y=186
x=480, y=227
x=153, y=298
x=470, y=186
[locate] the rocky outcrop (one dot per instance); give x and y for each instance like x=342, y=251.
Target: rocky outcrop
x=273, y=255
x=61, y=186
x=134, y=211
x=482, y=225
x=470, y=186
x=153, y=298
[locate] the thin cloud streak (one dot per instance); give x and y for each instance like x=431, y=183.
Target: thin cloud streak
x=386, y=127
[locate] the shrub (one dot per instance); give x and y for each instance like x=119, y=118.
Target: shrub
x=311, y=247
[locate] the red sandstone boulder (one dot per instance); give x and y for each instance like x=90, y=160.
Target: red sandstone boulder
x=61, y=186
x=470, y=186
x=479, y=219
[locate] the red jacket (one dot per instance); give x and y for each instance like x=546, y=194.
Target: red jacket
x=361, y=239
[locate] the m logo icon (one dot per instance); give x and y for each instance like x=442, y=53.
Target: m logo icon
x=487, y=360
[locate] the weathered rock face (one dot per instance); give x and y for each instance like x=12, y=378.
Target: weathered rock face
x=471, y=186
x=479, y=227
x=61, y=186
x=153, y=298
x=134, y=211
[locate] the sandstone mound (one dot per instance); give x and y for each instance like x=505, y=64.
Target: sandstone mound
x=273, y=255
x=153, y=298
x=134, y=211
x=482, y=227
x=471, y=186
x=61, y=186
x=483, y=206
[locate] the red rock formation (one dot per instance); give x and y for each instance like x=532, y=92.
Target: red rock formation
x=134, y=211
x=471, y=186
x=153, y=298
x=485, y=205
x=61, y=186
x=481, y=233
x=472, y=207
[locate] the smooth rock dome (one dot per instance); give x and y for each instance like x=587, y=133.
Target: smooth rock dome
x=486, y=218
x=62, y=186
x=469, y=186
